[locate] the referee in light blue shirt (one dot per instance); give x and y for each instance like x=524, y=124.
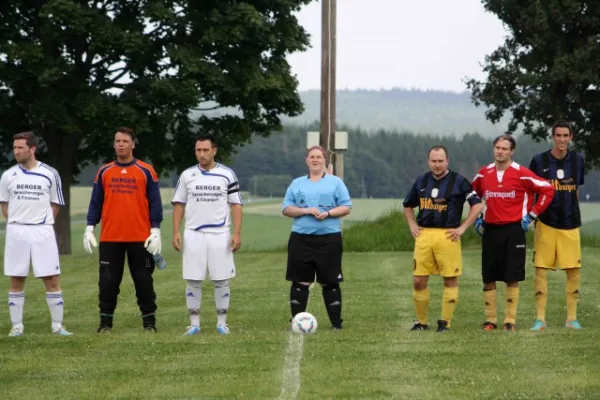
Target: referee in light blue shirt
x=316, y=202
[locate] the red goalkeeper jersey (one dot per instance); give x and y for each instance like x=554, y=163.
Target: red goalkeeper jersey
x=509, y=196
x=126, y=198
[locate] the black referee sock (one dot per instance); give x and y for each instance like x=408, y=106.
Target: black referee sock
x=332, y=294
x=298, y=298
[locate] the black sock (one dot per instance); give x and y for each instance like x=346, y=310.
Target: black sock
x=332, y=295
x=298, y=298
x=106, y=320
x=149, y=320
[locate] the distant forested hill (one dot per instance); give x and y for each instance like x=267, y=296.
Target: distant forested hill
x=400, y=110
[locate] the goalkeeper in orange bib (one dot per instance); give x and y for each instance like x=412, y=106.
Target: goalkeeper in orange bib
x=126, y=198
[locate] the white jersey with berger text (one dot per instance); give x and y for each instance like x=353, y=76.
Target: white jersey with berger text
x=207, y=196
x=29, y=194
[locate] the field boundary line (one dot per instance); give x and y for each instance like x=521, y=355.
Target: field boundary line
x=290, y=383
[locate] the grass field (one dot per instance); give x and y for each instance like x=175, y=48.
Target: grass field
x=368, y=209
x=80, y=198
x=375, y=357
x=362, y=210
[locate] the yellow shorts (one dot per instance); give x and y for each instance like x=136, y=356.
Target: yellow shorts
x=435, y=254
x=556, y=248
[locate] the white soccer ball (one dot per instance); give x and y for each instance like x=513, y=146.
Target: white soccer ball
x=304, y=323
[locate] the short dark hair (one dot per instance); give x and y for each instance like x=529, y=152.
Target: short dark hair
x=206, y=136
x=561, y=123
x=438, y=147
x=127, y=131
x=29, y=137
x=507, y=136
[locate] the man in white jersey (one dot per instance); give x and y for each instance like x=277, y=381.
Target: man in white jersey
x=31, y=197
x=209, y=196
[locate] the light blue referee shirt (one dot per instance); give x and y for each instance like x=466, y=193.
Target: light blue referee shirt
x=326, y=194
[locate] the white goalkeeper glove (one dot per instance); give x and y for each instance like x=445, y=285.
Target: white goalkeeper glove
x=89, y=240
x=154, y=243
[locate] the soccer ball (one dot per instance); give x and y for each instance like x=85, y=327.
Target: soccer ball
x=304, y=323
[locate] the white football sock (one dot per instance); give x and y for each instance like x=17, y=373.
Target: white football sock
x=193, y=299
x=56, y=306
x=16, y=300
x=222, y=296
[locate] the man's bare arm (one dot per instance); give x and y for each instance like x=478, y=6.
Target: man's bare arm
x=55, y=209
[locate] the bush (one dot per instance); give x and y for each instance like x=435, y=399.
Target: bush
x=390, y=232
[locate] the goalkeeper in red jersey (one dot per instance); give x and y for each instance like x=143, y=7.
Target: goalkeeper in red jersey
x=126, y=199
x=506, y=188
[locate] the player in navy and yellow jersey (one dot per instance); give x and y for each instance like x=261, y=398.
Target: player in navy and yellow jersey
x=126, y=199
x=556, y=241
x=440, y=196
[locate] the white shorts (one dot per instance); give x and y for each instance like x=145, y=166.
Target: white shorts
x=35, y=244
x=212, y=251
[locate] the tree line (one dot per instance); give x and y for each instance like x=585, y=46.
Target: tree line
x=379, y=165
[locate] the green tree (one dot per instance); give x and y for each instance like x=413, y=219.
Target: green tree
x=74, y=70
x=547, y=69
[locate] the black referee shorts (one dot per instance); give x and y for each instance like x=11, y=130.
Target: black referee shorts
x=503, y=253
x=311, y=256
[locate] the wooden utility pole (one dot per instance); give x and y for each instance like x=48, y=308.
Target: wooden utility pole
x=328, y=87
x=328, y=77
x=332, y=75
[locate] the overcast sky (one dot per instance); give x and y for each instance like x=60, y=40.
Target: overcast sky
x=425, y=44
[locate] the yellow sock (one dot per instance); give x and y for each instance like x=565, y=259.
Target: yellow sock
x=449, y=301
x=512, y=301
x=489, y=305
x=421, y=300
x=572, y=292
x=540, y=288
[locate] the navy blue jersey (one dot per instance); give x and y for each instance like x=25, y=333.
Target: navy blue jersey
x=566, y=175
x=440, y=201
